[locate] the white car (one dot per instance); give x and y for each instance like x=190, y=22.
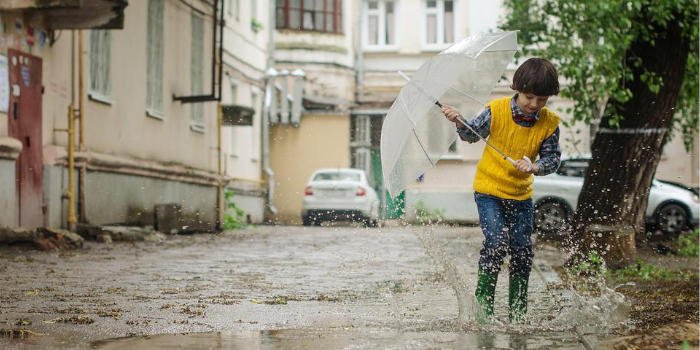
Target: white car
x=671, y=207
x=339, y=194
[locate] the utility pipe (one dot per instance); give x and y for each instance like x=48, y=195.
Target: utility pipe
x=270, y=74
x=220, y=182
x=71, y=169
x=81, y=122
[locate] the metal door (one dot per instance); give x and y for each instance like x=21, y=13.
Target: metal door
x=24, y=124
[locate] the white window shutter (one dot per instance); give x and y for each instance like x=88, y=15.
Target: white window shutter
x=154, y=98
x=196, y=69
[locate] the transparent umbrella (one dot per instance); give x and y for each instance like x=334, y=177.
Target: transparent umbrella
x=415, y=133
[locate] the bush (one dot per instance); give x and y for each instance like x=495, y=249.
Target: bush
x=425, y=215
x=687, y=244
x=234, y=217
x=645, y=271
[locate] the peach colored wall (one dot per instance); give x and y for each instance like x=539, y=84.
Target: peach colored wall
x=122, y=127
x=322, y=141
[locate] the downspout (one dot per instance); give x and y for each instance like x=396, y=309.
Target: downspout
x=220, y=186
x=359, y=56
x=71, y=168
x=270, y=75
x=81, y=123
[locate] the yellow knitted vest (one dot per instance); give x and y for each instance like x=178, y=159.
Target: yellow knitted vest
x=498, y=177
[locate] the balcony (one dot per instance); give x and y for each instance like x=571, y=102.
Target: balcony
x=72, y=14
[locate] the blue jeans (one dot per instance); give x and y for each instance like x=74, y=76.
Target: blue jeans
x=507, y=225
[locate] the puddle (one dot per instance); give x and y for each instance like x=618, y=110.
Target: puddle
x=341, y=339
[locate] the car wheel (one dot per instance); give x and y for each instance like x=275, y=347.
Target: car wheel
x=671, y=218
x=306, y=220
x=551, y=216
x=369, y=222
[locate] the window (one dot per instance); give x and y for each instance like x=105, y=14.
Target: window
x=362, y=130
x=197, y=70
x=573, y=167
x=100, y=84
x=154, y=48
x=439, y=22
x=380, y=24
x=338, y=176
x=233, y=147
x=311, y=15
x=361, y=142
x=361, y=160
x=254, y=103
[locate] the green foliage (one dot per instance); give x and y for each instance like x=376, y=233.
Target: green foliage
x=646, y=271
x=425, y=215
x=592, y=265
x=687, y=244
x=234, y=217
x=589, y=41
x=255, y=25
x=587, y=274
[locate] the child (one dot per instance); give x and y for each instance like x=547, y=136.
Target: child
x=520, y=126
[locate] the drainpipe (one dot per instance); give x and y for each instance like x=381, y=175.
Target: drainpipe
x=270, y=74
x=81, y=122
x=71, y=169
x=220, y=185
x=359, y=56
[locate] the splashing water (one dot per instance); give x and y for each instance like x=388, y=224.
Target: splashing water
x=587, y=307
x=466, y=302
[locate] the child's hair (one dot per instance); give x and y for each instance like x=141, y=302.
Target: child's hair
x=536, y=76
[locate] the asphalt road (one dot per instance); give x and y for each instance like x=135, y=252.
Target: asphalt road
x=275, y=287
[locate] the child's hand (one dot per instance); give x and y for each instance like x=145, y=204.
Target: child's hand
x=526, y=166
x=452, y=115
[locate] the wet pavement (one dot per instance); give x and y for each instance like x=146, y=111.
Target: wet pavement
x=274, y=287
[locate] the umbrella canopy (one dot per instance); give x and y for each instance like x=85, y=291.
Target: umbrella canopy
x=415, y=133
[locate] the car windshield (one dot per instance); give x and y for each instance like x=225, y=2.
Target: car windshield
x=573, y=167
x=337, y=176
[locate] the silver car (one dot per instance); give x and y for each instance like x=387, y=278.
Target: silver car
x=339, y=194
x=671, y=207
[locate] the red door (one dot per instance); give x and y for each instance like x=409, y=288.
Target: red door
x=24, y=124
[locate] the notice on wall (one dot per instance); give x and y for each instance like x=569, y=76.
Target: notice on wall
x=4, y=85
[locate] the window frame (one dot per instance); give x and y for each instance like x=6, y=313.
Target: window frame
x=155, y=99
x=380, y=12
x=336, y=13
x=255, y=93
x=197, y=68
x=439, y=12
x=233, y=145
x=100, y=52
x=363, y=159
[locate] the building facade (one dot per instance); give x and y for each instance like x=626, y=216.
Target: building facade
x=314, y=52
x=146, y=136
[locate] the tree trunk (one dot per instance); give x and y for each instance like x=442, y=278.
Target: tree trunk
x=612, y=204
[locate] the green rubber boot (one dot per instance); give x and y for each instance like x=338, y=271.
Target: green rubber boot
x=517, y=298
x=485, y=290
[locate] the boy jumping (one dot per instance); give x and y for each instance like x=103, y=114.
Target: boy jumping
x=520, y=126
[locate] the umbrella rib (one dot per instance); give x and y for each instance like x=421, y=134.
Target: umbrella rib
x=467, y=95
x=421, y=147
